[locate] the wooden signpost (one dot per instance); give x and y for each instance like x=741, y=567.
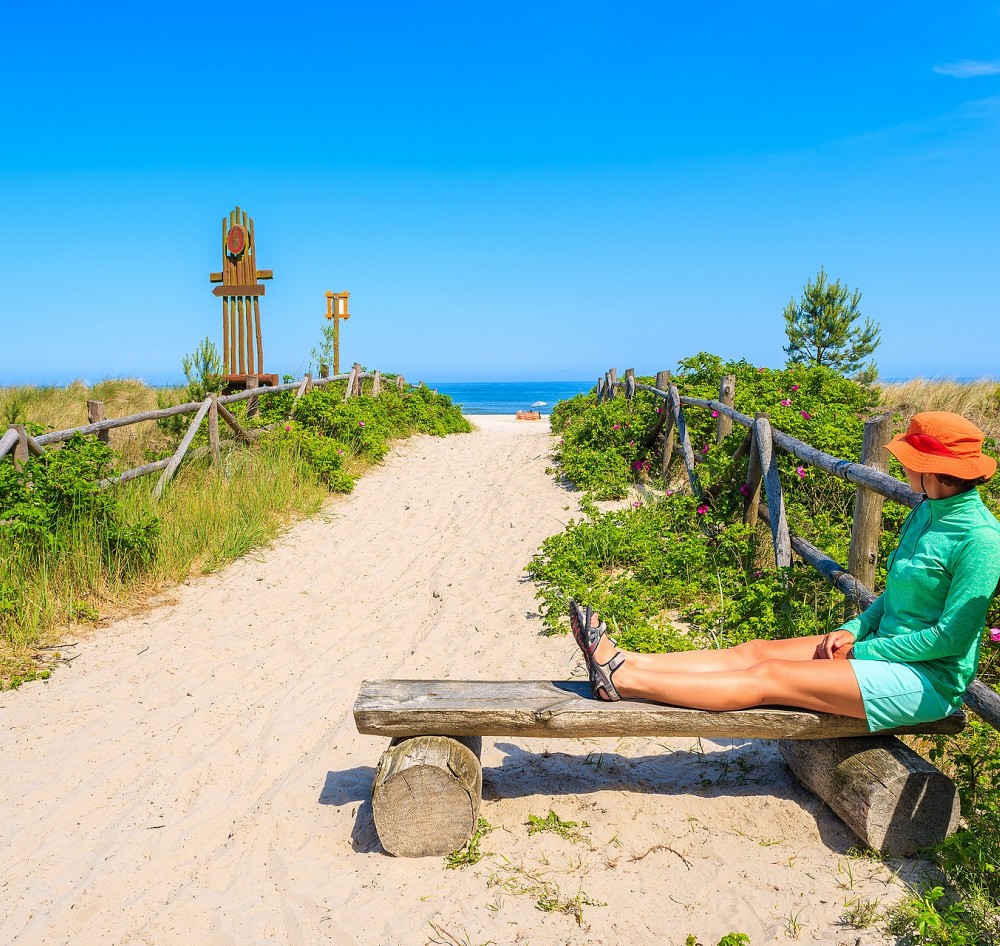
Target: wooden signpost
x=336, y=309
x=242, y=345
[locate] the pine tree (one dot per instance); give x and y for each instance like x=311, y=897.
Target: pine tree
x=821, y=330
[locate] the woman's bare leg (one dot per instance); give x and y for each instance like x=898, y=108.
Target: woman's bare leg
x=757, y=673
x=827, y=686
x=740, y=657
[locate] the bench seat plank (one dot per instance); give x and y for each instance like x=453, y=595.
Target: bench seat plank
x=566, y=708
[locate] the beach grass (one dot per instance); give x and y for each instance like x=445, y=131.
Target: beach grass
x=74, y=555
x=209, y=516
x=977, y=400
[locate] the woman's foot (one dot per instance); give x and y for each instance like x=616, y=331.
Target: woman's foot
x=599, y=651
x=602, y=684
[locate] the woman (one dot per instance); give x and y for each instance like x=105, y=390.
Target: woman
x=907, y=659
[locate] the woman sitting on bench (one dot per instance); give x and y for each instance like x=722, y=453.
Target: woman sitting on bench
x=907, y=659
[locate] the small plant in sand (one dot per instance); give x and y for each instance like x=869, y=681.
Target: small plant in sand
x=520, y=882
x=471, y=853
x=570, y=830
x=730, y=939
x=860, y=912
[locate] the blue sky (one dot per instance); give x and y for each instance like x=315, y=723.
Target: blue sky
x=509, y=191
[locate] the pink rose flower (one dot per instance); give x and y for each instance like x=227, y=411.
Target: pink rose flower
x=668, y=492
x=995, y=635
x=702, y=509
x=794, y=387
x=745, y=489
x=704, y=449
x=637, y=505
x=715, y=413
x=786, y=402
x=806, y=415
x=361, y=423
x=801, y=470
x=288, y=427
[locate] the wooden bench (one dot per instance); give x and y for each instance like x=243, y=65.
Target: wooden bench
x=428, y=785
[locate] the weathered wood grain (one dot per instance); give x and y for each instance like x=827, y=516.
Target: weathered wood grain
x=566, y=708
x=866, y=527
x=182, y=448
x=727, y=395
x=774, y=493
x=890, y=797
x=95, y=414
x=426, y=794
x=685, y=440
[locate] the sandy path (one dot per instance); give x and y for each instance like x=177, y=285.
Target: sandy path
x=195, y=775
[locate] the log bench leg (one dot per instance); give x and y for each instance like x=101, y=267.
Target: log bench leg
x=894, y=800
x=426, y=794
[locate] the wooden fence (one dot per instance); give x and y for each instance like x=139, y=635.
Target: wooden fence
x=16, y=440
x=874, y=486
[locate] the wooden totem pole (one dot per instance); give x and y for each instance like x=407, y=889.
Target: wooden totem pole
x=242, y=346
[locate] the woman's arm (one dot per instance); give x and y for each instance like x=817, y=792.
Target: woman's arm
x=867, y=621
x=972, y=585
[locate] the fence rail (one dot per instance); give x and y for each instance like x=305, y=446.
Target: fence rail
x=854, y=582
x=16, y=440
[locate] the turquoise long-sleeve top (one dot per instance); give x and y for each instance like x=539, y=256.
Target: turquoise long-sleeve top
x=941, y=577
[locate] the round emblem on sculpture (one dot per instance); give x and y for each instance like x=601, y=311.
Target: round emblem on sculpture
x=236, y=240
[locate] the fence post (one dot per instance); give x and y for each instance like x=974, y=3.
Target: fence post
x=175, y=461
x=629, y=383
x=252, y=405
x=359, y=383
x=775, y=496
x=377, y=384
x=612, y=381
x=400, y=381
x=727, y=395
x=95, y=413
x=682, y=435
x=600, y=390
x=349, y=391
x=867, y=525
x=751, y=497
x=214, y=445
x=21, y=447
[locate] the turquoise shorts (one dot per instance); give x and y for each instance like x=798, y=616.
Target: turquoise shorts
x=897, y=695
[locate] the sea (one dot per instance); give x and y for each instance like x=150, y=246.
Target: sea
x=509, y=397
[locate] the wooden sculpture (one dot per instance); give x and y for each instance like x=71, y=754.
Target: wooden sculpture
x=242, y=345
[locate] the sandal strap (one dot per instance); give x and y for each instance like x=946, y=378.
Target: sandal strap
x=601, y=678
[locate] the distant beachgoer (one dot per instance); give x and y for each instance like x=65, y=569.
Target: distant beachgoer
x=907, y=659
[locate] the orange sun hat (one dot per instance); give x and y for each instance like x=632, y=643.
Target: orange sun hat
x=942, y=442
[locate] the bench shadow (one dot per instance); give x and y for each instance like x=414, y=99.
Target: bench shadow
x=739, y=768
x=733, y=768
x=350, y=787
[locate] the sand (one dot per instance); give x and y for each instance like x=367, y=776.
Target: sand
x=195, y=776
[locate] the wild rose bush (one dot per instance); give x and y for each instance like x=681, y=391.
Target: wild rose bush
x=656, y=560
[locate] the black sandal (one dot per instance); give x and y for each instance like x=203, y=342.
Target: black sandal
x=587, y=638
x=601, y=678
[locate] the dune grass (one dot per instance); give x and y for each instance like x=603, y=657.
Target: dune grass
x=977, y=400
x=73, y=554
x=209, y=516
x=55, y=407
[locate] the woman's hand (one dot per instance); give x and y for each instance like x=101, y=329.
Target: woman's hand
x=836, y=645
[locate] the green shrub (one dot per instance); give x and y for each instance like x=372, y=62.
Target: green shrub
x=644, y=566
